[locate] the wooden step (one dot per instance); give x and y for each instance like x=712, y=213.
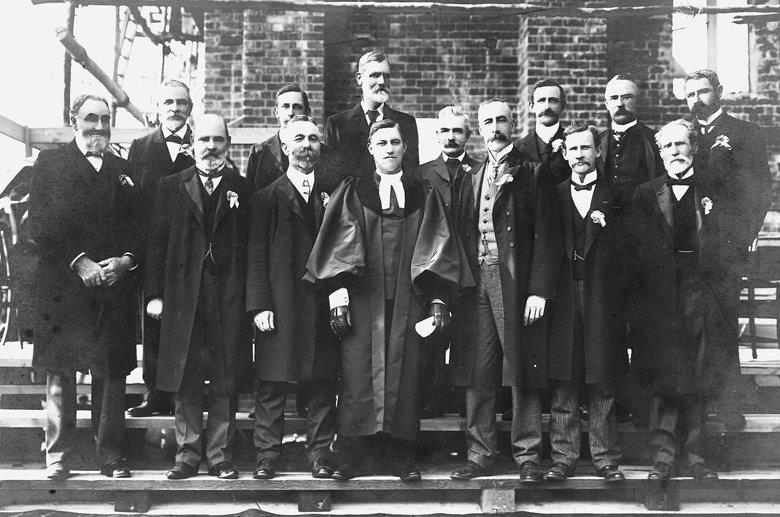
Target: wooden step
x=81, y=389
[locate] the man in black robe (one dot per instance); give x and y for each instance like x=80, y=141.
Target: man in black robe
x=388, y=255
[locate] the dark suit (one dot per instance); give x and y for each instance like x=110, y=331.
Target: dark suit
x=539, y=151
x=488, y=323
x=75, y=209
x=585, y=339
x=151, y=161
x=197, y=265
x=302, y=348
x=438, y=174
x=347, y=133
x=266, y=162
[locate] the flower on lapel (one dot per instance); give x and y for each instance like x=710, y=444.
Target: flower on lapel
x=597, y=216
x=325, y=198
x=503, y=180
x=466, y=167
x=721, y=140
x=232, y=199
x=125, y=180
x=557, y=145
x=707, y=204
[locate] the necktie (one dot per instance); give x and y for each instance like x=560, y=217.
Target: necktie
x=94, y=155
x=586, y=186
x=174, y=139
x=676, y=181
x=372, y=116
x=452, y=166
x=209, y=185
x=306, y=190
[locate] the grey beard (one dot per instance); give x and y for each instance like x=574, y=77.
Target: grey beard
x=96, y=143
x=211, y=163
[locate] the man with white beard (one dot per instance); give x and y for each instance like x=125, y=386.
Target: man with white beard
x=84, y=218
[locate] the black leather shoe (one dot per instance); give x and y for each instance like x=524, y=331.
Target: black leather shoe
x=470, y=470
x=266, y=469
x=116, y=469
x=558, y=472
x=347, y=471
x=661, y=471
x=321, y=468
x=57, y=472
x=611, y=474
x=530, y=472
x=182, y=470
x=701, y=473
x=224, y=470
x=156, y=403
x=407, y=473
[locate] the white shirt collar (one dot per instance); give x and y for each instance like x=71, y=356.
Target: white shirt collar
x=391, y=181
x=591, y=176
x=297, y=178
x=366, y=108
x=95, y=161
x=711, y=118
x=496, y=158
x=680, y=190
x=546, y=133
x=459, y=157
x=180, y=133
x=214, y=181
x=622, y=128
x=684, y=176
x=583, y=198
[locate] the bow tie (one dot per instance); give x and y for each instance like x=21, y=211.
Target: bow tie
x=212, y=174
x=93, y=154
x=174, y=138
x=586, y=186
x=674, y=181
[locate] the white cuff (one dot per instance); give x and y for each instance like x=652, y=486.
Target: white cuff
x=132, y=257
x=72, y=262
x=338, y=298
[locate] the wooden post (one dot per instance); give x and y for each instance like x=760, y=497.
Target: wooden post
x=712, y=37
x=67, y=65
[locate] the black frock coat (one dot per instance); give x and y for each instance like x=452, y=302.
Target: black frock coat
x=176, y=248
x=437, y=173
x=526, y=223
x=302, y=346
x=558, y=168
x=75, y=209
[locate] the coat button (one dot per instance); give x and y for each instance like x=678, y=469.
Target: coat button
x=511, y=244
x=507, y=213
x=536, y=366
x=509, y=228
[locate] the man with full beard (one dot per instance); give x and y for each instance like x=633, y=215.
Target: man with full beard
x=84, y=219
x=195, y=282
x=294, y=343
x=347, y=131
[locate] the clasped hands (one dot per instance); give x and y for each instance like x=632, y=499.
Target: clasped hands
x=341, y=318
x=106, y=272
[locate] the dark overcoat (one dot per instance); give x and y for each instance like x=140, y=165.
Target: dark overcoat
x=302, y=346
x=437, y=173
x=176, y=249
x=603, y=355
x=558, y=168
x=75, y=209
x=266, y=162
x=346, y=133
x=525, y=219
x=379, y=380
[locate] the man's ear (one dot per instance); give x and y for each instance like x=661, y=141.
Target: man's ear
x=73, y=122
x=358, y=77
x=284, y=149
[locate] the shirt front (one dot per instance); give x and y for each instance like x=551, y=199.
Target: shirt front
x=546, y=133
x=303, y=183
x=380, y=109
x=622, y=128
x=174, y=147
x=582, y=198
x=94, y=160
x=388, y=182
x=680, y=190
x=707, y=123
x=203, y=175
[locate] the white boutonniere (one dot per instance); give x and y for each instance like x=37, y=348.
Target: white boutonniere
x=706, y=203
x=232, y=199
x=557, y=145
x=325, y=198
x=466, y=167
x=125, y=180
x=597, y=216
x=721, y=140
x=503, y=180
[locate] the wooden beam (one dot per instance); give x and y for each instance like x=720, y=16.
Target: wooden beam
x=55, y=136
x=13, y=129
x=406, y=7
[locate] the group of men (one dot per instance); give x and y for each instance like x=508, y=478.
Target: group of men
x=357, y=268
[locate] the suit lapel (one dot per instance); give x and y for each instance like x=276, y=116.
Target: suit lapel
x=194, y=201
x=276, y=152
x=289, y=195
x=606, y=144
x=160, y=149
x=82, y=168
x=568, y=214
x=443, y=172
x=600, y=201
x=476, y=184
x=223, y=204
x=359, y=120
x=319, y=209
x=503, y=189
x=663, y=196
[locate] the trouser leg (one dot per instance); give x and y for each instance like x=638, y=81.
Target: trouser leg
x=60, y=416
x=481, y=441
x=321, y=418
x=108, y=415
x=220, y=429
x=664, y=418
x=188, y=417
x=691, y=436
x=526, y=428
x=565, y=432
x=400, y=453
x=270, y=398
x=602, y=426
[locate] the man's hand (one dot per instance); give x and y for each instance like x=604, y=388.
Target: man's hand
x=340, y=320
x=90, y=272
x=154, y=308
x=264, y=321
x=441, y=316
x=534, y=309
x=115, y=268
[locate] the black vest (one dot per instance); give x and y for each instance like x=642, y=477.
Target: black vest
x=625, y=164
x=580, y=228
x=209, y=212
x=684, y=219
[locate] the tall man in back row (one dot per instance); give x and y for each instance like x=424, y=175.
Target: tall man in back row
x=347, y=131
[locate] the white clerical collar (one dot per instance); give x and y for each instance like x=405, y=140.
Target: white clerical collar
x=180, y=132
x=388, y=182
x=622, y=128
x=367, y=108
x=684, y=176
x=297, y=178
x=459, y=157
x=497, y=157
x=711, y=118
x=589, y=177
x=546, y=133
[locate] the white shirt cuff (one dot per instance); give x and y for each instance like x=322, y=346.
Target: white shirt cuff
x=132, y=257
x=73, y=262
x=338, y=298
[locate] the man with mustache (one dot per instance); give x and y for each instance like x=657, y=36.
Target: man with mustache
x=389, y=256
x=543, y=141
x=195, y=284
x=347, y=131
x=686, y=231
x=293, y=342
x=744, y=160
x=85, y=221
x=453, y=131
x=507, y=220
x=160, y=153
